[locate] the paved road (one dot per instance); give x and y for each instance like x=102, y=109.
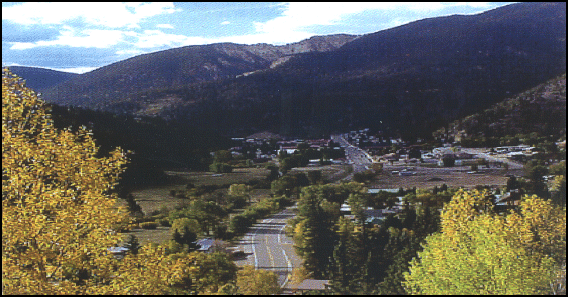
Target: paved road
x=267, y=247
x=360, y=159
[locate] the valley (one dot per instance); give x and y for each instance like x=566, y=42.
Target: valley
x=339, y=164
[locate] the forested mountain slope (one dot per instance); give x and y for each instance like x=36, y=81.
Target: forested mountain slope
x=411, y=79
x=40, y=79
x=176, y=67
x=540, y=111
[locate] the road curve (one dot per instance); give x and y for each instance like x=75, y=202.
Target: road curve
x=267, y=247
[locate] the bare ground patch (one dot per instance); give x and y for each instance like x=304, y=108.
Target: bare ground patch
x=432, y=178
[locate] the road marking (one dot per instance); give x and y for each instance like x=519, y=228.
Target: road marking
x=280, y=234
x=268, y=250
x=267, y=247
x=254, y=251
x=289, y=269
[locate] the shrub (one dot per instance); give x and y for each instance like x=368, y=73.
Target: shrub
x=149, y=225
x=239, y=224
x=220, y=168
x=165, y=222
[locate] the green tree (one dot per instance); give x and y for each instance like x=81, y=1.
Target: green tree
x=220, y=167
x=478, y=252
x=214, y=271
x=314, y=176
x=239, y=224
x=222, y=156
x=240, y=190
x=132, y=244
x=286, y=185
x=448, y=160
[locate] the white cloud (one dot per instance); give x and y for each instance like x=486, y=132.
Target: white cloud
x=78, y=70
x=129, y=52
x=107, y=14
x=165, y=26
x=90, y=38
x=157, y=38
x=225, y=23
x=298, y=17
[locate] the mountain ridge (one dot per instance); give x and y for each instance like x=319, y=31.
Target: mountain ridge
x=410, y=79
x=40, y=79
x=179, y=66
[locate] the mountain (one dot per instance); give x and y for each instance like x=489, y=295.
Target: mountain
x=410, y=79
x=40, y=79
x=540, y=110
x=177, y=67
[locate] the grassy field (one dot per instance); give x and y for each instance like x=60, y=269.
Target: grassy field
x=239, y=175
x=329, y=172
x=156, y=198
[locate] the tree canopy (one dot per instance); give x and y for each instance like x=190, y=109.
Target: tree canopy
x=60, y=215
x=479, y=252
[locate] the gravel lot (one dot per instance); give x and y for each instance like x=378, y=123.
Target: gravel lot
x=453, y=177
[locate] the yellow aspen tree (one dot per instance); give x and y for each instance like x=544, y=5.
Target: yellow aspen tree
x=251, y=281
x=480, y=252
x=59, y=216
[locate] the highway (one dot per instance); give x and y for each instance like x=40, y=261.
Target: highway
x=267, y=247
x=358, y=158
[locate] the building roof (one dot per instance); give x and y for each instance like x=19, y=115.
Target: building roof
x=117, y=249
x=205, y=244
x=376, y=191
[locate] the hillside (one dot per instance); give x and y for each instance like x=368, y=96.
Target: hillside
x=411, y=79
x=177, y=67
x=41, y=79
x=540, y=110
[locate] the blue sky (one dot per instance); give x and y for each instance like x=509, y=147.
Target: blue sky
x=79, y=37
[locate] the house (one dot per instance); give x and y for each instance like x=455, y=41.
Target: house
x=512, y=197
x=377, y=216
x=307, y=285
x=507, y=201
x=205, y=244
x=118, y=251
x=376, y=191
x=288, y=149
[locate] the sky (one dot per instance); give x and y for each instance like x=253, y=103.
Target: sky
x=80, y=37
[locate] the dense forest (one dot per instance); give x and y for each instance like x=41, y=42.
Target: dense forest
x=412, y=79
x=531, y=117
x=155, y=144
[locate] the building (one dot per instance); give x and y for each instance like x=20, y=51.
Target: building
x=118, y=251
x=205, y=245
x=307, y=285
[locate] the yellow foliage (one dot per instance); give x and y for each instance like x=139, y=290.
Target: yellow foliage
x=58, y=214
x=257, y=282
x=479, y=252
x=299, y=274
